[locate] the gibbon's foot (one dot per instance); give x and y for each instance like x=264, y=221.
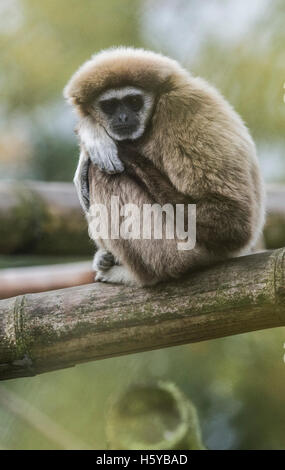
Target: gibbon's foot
x=117, y=275
x=103, y=260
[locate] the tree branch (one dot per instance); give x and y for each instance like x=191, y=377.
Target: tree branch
x=58, y=329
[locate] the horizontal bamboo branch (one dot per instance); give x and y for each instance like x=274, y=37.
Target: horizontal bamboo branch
x=58, y=329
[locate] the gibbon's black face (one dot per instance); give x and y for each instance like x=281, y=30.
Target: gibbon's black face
x=125, y=112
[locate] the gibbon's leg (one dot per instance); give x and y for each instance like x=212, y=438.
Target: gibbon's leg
x=108, y=270
x=117, y=275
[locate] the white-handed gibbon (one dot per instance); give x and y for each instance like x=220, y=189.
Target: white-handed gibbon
x=151, y=133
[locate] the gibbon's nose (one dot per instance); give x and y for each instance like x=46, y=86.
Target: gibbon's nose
x=123, y=118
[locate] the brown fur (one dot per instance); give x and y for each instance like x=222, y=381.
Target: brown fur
x=196, y=149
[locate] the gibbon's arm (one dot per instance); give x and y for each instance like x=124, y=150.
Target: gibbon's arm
x=96, y=147
x=211, y=158
x=202, y=147
x=217, y=229
x=223, y=225
x=100, y=147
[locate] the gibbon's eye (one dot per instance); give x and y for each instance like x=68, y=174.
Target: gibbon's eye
x=109, y=106
x=134, y=102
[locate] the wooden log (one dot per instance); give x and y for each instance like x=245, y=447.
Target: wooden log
x=18, y=281
x=58, y=329
x=274, y=230
x=42, y=218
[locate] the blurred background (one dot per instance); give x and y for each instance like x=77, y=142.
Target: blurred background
x=238, y=383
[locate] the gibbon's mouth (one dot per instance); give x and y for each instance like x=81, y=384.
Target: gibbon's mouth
x=125, y=130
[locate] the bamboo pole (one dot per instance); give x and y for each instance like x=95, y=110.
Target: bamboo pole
x=58, y=329
x=16, y=281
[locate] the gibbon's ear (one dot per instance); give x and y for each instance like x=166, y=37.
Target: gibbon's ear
x=100, y=147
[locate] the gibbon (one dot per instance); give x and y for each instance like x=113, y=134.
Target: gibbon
x=151, y=133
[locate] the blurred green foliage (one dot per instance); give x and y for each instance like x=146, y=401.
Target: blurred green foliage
x=55, y=157
x=53, y=39
x=237, y=385
x=38, y=57
x=253, y=82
